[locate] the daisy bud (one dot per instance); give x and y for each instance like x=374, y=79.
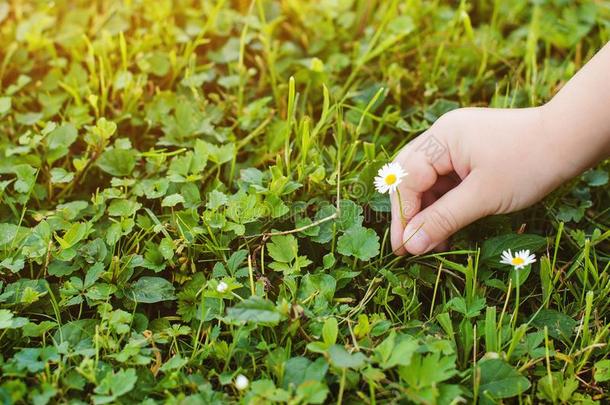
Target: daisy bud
x=222, y=287
x=241, y=382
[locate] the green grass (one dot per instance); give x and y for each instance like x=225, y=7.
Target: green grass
x=152, y=150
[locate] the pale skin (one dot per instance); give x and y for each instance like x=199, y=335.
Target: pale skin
x=496, y=161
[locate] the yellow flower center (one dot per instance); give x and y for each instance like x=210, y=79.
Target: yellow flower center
x=390, y=179
x=517, y=261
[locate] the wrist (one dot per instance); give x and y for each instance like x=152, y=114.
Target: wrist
x=572, y=139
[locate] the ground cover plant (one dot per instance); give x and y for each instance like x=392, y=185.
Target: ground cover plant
x=188, y=215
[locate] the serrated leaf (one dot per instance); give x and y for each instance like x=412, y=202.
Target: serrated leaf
x=500, y=380
x=359, y=242
x=596, y=178
x=283, y=248
x=350, y=215
x=117, y=162
x=151, y=289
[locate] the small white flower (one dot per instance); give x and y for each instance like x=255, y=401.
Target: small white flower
x=241, y=382
x=222, y=287
x=521, y=258
x=389, y=177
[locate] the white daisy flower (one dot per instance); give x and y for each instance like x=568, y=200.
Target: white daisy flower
x=389, y=177
x=222, y=287
x=241, y=382
x=521, y=258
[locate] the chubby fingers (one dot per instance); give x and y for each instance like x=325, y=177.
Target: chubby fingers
x=457, y=208
x=424, y=159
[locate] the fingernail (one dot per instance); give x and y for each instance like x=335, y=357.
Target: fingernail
x=416, y=239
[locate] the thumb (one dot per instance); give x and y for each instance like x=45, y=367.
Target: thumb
x=454, y=210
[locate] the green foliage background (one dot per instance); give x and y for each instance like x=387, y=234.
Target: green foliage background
x=154, y=149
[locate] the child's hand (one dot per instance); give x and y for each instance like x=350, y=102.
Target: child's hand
x=475, y=162
x=504, y=158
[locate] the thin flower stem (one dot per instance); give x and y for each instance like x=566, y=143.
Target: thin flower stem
x=402, y=213
x=517, y=298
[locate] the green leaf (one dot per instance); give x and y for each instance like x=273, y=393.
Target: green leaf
x=77, y=333
x=29, y=118
x=62, y=137
x=117, y=162
x=93, y=274
x=5, y=105
x=396, y=350
x=341, y=358
x=602, y=371
x=320, y=285
x=560, y=325
x=492, y=248
x=500, y=380
x=172, y=200
x=156, y=63
x=312, y=392
x=328, y=261
x=297, y=370
x=123, y=208
x=151, y=289
x=428, y=370
x=60, y=175
x=220, y=154
x=254, y=310
x=596, y=178
x=557, y=388
x=26, y=178
x=166, y=247
x=468, y=309
x=283, y=248
x=8, y=321
x=350, y=215
x=325, y=231
x=330, y=331
x=362, y=243
x=114, y=385
x=175, y=363
x=35, y=359
x=73, y=235
x=8, y=232
x=216, y=199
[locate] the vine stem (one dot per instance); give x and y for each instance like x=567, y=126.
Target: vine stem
x=299, y=229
